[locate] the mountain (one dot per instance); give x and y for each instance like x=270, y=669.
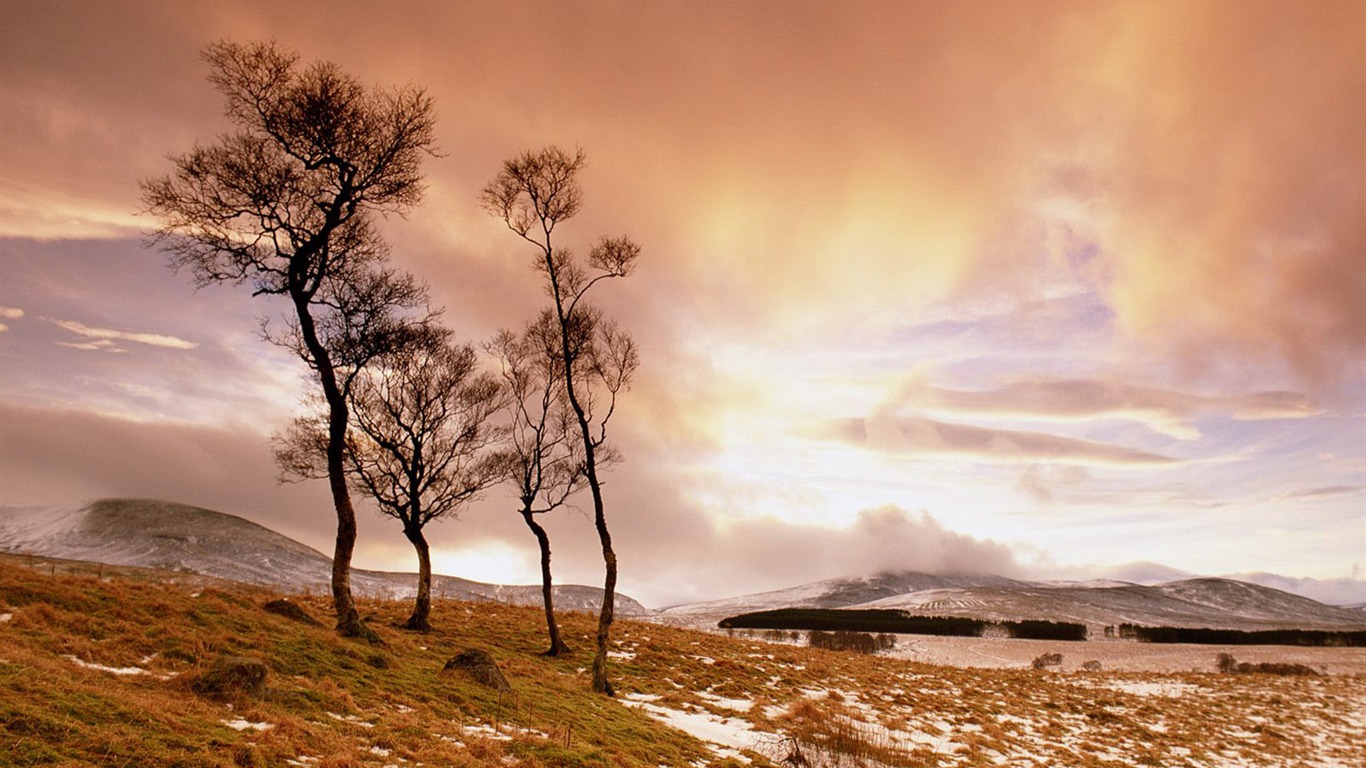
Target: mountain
x=160, y=534
x=830, y=593
x=1199, y=602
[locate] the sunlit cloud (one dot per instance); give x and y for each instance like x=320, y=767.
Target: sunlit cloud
x=1062, y=399
x=46, y=215
x=929, y=437
x=1082, y=278
x=106, y=338
x=100, y=345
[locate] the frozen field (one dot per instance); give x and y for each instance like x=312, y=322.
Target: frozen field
x=1119, y=656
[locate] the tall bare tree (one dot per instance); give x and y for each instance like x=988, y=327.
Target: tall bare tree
x=422, y=441
x=533, y=194
x=287, y=203
x=545, y=462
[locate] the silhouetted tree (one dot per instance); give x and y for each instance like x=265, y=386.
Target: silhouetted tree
x=286, y=203
x=422, y=442
x=545, y=460
x=533, y=194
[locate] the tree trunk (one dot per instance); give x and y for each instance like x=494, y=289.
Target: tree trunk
x=557, y=645
x=609, y=558
x=348, y=618
x=422, y=608
x=609, y=598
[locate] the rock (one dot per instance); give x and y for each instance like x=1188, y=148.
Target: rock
x=291, y=611
x=232, y=675
x=479, y=666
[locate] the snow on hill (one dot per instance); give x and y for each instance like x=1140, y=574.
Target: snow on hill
x=159, y=534
x=831, y=593
x=1213, y=603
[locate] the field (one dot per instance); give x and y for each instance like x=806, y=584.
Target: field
x=103, y=666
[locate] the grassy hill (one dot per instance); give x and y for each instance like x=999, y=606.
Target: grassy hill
x=104, y=666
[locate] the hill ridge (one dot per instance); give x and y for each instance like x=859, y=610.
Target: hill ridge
x=174, y=536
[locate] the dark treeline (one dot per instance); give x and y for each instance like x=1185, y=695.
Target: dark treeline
x=1205, y=636
x=858, y=642
x=897, y=622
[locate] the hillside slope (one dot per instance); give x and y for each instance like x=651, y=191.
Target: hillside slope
x=109, y=667
x=179, y=537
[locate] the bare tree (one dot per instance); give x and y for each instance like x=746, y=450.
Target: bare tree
x=545, y=461
x=286, y=203
x=533, y=194
x=422, y=442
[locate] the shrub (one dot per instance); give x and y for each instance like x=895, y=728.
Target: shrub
x=1229, y=665
x=1047, y=660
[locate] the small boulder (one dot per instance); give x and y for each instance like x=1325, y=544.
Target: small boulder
x=477, y=664
x=291, y=611
x=232, y=676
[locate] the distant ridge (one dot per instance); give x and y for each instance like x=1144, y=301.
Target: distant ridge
x=161, y=534
x=1194, y=603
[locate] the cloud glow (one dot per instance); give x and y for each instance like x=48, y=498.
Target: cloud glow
x=1082, y=279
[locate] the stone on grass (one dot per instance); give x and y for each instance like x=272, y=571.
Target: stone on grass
x=291, y=611
x=232, y=676
x=479, y=666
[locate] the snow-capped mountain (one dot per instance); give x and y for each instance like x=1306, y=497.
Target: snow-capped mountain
x=159, y=534
x=1200, y=602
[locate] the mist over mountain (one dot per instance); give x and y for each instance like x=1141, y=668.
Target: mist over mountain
x=161, y=534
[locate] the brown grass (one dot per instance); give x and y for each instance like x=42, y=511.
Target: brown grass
x=343, y=703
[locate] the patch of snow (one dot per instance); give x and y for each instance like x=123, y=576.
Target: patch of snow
x=621, y=655
x=726, y=735
x=243, y=725
x=112, y=670
x=352, y=719
x=4, y=617
x=1169, y=690
x=486, y=731
x=737, y=705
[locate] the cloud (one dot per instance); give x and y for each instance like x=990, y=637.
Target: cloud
x=9, y=313
x=670, y=551
x=1325, y=492
x=1349, y=590
x=1166, y=411
x=1041, y=482
x=1228, y=182
x=922, y=436
x=106, y=338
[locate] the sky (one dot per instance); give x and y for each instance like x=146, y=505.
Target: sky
x=1044, y=290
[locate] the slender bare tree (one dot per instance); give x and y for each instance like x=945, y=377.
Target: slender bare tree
x=545, y=460
x=287, y=203
x=422, y=442
x=533, y=194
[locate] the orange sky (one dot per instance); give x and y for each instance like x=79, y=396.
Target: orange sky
x=1085, y=282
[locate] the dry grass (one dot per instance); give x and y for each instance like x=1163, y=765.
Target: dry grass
x=334, y=702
